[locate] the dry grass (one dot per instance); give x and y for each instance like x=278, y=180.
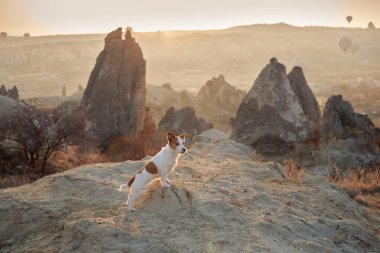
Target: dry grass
x=363, y=185
x=293, y=170
x=14, y=181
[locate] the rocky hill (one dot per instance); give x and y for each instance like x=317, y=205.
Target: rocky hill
x=221, y=94
x=227, y=202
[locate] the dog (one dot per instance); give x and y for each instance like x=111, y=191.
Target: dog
x=158, y=167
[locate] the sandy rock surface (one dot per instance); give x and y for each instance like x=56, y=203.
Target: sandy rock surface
x=225, y=202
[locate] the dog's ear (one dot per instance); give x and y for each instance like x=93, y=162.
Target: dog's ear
x=171, y=136
x=183, y=136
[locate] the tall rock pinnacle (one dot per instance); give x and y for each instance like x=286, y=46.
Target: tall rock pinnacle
x=114, y=99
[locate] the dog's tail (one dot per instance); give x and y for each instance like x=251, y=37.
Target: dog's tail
x=123, y=187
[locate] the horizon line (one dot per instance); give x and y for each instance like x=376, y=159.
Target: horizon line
x=191, y=30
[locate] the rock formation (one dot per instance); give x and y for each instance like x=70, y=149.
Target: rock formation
x=13, y=93
x=183, y=121
x=229, y=203
x=307, y=100
x=340, y=121
x=349, y=140
x=167, y=86
x=222, y=94
x=114, y=99
x=3, y=90
x=271, y=115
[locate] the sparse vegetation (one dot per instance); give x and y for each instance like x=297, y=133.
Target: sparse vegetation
x=293, y=170
x=149, y=142
x=34, y=135
x=363, y=185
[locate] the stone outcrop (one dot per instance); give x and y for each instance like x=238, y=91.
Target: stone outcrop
x=307, y=100
x=183, y=121
x=222, y=94
x=114, y=99
x=271, y=115
x=167, y=86
x=11, y=93
x=225, y=202
x=341, y=122
x=3, y=90
x=349, y=140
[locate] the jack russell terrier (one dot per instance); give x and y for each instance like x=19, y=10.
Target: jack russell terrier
x=158, y=167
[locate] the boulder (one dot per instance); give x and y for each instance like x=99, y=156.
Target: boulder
x=183, y=121
x=271, y=116
x=349, y=139
x=340, y=121
x=307, y=100
x=222, y=94
x=114, y=99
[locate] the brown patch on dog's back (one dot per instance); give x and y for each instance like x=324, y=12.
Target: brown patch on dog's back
x=172, y=140
x=151, y=168
x=130, y=182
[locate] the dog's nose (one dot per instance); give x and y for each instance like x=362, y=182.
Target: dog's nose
x=183, y=150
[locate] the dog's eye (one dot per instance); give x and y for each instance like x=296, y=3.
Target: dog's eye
x=177, y=144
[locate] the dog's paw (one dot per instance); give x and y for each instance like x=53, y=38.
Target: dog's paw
x=164, y=189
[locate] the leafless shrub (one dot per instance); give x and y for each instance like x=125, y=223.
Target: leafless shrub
x=37, y=134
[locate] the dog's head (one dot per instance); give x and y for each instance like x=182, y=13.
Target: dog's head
x=177, y=142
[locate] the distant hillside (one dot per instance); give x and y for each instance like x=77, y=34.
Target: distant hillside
x=40, y=66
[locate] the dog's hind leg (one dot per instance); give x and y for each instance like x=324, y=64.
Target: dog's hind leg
x=133, y=195
x=129, y=199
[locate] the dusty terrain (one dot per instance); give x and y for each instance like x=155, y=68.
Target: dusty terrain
x=230, y=203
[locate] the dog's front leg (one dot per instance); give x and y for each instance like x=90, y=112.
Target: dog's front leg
x=164, y=183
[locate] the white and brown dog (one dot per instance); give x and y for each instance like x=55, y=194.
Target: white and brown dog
x=158, y=167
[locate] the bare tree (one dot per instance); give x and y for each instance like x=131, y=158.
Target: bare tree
x=39, y=133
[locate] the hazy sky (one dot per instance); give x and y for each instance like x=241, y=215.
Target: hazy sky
x=91, y=16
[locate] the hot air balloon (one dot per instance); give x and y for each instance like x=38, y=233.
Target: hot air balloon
x=349, y=19
x=345, y=43
x=371, y=26
x=354, y=47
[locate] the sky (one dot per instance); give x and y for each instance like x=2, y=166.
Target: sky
x=42, y=17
